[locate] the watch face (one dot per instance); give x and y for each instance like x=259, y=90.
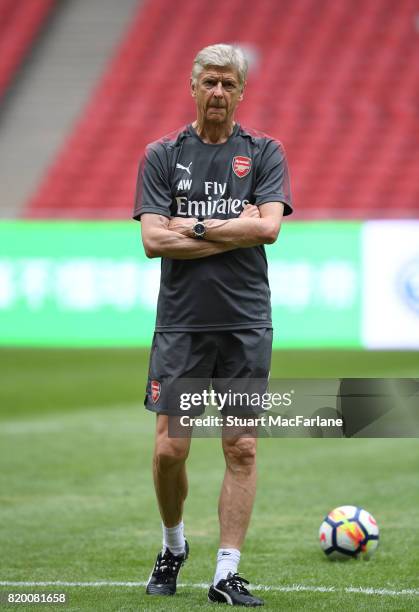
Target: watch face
x=199, y=229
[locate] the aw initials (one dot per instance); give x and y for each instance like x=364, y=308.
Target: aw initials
x=185, y=184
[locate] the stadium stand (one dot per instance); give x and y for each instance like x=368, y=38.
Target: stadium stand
x=336, y=82
x=20, y=22
x=43, y=106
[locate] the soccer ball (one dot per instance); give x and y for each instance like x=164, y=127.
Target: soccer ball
x=348, y=531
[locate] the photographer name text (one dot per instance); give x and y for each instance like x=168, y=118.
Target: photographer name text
x=265, y=420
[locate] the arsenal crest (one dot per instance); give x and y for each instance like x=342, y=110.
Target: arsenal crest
x=241, y=165
x=155, y=390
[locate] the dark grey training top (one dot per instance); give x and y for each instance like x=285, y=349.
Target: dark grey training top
x=181, y=176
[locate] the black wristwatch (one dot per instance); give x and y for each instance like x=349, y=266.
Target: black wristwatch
x=199, y=229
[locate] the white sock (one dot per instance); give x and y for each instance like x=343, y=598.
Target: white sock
x=228, y=560
x=173, y=539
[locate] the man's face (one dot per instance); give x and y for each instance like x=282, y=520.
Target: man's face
x=217, y=93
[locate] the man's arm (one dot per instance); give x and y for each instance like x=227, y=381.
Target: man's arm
x=256, y=225
x=160, y=241
x=248, y=231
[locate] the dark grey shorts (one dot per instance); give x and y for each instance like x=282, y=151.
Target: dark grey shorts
x=191, y=361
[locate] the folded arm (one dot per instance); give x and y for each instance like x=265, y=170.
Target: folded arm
x=160, y=241
x=249, y=231
x=256, y=225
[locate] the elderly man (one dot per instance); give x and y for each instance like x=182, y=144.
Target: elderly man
x=209, y=196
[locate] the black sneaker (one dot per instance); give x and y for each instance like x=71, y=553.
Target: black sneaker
x=232, y=591
x=164, y=575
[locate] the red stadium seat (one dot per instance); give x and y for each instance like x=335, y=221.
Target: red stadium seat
x=20, y=22
x=336, y=82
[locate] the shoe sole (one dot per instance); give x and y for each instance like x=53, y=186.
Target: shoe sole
x=158, y=591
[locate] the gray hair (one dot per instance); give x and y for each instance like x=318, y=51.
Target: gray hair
x=223, y=56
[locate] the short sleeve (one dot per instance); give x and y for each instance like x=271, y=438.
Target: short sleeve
x=272, y=179
x=153, y=193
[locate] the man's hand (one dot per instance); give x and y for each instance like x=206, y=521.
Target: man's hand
x=250, y=210
x=182, y=225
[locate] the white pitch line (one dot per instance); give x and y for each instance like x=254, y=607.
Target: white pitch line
x=202, y=585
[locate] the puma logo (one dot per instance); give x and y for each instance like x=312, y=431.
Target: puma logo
x=187, y=168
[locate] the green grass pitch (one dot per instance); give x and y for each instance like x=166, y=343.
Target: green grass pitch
x=77, y=502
